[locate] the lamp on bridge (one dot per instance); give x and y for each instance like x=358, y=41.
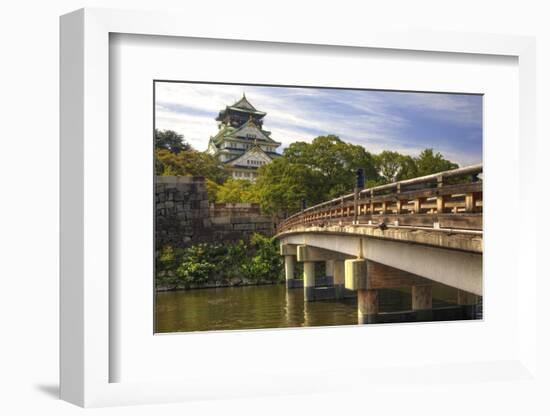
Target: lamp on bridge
x=304, y=205
x=360, y=184
x=360, y=174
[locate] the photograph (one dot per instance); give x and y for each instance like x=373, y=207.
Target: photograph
x=288, y=206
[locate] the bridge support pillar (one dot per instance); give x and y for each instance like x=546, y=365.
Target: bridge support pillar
x=367, y=306
x=329, y=270
x=309, y=281
x=468, y=301
x=290, y=263
x=356, y=274
x=339, y=278
x=422, y=302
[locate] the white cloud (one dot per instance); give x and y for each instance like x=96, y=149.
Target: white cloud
x=377, y=121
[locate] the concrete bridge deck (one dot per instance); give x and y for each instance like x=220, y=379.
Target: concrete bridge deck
x=419, y=231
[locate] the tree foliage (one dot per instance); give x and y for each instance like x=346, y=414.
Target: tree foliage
x=170, y=140
x=316, y=171
x=313, y=172
x=326, y=168
x=211, y=264
x=175, y=157
x=389, y=165
x=429, y=162
x=266, y=264
x=393, y=166
x=189, y=163
x=237, y=190
x=282, y=185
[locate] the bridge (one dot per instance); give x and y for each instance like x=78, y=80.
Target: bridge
x=407, y=234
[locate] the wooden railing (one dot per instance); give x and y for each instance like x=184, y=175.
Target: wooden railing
x=447, y=200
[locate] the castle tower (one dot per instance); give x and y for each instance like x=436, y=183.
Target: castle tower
x=241, y=143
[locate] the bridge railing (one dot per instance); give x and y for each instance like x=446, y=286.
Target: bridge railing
x=446, y=200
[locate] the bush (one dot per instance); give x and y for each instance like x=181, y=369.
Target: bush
x=198, y=264
x=267, y=263
x=257, y=261
x=165, y=264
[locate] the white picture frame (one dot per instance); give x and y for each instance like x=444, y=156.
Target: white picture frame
x=85, y=210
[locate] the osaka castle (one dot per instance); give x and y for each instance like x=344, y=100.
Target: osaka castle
x=241, y=143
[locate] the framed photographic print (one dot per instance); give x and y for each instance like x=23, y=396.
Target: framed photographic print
x=240, y=223
x=243, y=216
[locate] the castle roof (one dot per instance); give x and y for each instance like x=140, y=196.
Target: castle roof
x=238, y=161
x=249, y=131
x=242, y=106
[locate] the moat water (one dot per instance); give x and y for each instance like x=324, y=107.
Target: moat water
x=270, y=306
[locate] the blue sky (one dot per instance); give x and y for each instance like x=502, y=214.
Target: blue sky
x=378, y=120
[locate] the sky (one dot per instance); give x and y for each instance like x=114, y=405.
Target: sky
x=406, y=122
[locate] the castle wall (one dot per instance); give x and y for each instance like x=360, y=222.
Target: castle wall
x=183, y=215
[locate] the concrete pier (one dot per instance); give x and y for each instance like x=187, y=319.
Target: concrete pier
x=322, y=287
x=309, y=281
x=289, y=251
x=339, y=278
x=468, y=302
x=329, y=268
x=422, y=302
x=367, y=306
x=355, y=272
x=290, y=262
x=356, y=278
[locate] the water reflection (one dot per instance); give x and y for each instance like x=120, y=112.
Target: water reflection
x=294, y=308
x=271, y=306
x=251, y=307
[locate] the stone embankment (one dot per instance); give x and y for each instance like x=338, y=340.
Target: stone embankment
x=184, y=216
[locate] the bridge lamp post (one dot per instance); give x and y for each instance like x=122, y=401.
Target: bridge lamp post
x=359, y=185
x=360, y=174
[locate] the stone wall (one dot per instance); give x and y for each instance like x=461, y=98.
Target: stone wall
x=183, y=215
x=182, y=210
x=232, y=210
x=239, y=221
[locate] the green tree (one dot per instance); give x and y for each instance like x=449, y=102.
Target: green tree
x=408, y=168
x=393, y=166
x=281, y=186
x=212, y=189
x=170, y=140
x=334, y=160
x=429, y=162
x=389, y=165
x=189, y=163
x=237, y=190
x=315, y=172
